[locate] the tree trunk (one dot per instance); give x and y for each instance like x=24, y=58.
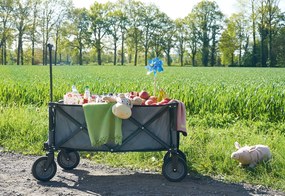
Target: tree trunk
x=5, y=53
x=254, y=57
x=263, y=37
x=122, y=49
x=99, y=56
x=22, y=55
x=240, y=54
x=205, y=54
x=136, y=54
x=80, y=55
x=181, y=59
x=33, y=35
x=270, y=56
x=115, y=53
x=33, y=52
x=19, y=48
x=2, y=53
x=205, y=50
x=213, y=49
x=193, y=58
x=213, y=57
x=44, y=49
x=168, y=58
x=145, y=57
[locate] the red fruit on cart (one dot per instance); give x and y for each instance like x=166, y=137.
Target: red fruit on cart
x=149, y=102
x=144, y=94
x=153, y=98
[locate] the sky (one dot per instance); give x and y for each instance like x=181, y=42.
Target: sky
x=178, y=8
x=173, y=8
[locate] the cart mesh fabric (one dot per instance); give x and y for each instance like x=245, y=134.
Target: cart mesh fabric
x=150, y=128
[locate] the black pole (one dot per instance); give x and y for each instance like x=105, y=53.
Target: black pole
x=50, y=70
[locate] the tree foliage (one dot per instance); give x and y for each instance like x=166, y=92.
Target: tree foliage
x=131, y=32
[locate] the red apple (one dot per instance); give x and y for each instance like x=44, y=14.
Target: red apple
x=166, y=100
x=153, y=98
x=144, y=95
x=149, y=102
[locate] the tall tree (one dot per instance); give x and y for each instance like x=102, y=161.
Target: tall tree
x=150, y=24
x=114, y=29
x=279, y=46
x=273, y=18
x=209, y=20
x=254, y=18
x=229, y=42
x=6, y=17
x=124, y=22
x=134, y=13
x=99, y=26
x=79, y=29
x=263, y=31
x=33, y=31
x=236, y=37
x=162, y=37
x=21, y=14
x=180, y=38
x=192, y=36
x=167, y=40
x=63, y=12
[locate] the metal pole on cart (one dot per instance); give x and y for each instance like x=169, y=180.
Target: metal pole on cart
x=50, y=70
x=51, y=126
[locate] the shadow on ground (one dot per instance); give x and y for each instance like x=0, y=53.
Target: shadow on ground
x=147, y=184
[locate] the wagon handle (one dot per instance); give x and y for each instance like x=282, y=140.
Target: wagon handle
x=50, y=70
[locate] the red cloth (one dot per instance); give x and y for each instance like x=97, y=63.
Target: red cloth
x=181, y=117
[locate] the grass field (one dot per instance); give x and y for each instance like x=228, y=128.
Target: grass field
x=224, y=105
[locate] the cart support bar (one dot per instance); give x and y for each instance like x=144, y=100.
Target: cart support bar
x=50, y=70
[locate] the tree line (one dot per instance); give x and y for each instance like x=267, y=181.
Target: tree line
x=131, y=32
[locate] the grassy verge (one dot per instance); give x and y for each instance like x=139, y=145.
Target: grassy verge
x=23, y=128
x=208, y=146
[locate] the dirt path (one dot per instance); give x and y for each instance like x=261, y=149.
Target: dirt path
x=88, y=179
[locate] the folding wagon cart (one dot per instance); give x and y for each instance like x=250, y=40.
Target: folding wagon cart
x=150, y=128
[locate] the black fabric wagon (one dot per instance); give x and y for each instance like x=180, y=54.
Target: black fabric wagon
x=150, y=128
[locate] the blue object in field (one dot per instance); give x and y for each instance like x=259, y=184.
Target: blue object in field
x=154, y=65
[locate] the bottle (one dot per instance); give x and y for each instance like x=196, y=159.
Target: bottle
x=74, y=90
x=72, y=97
x=87, y=95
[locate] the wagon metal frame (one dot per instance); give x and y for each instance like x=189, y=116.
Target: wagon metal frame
x=150, y=128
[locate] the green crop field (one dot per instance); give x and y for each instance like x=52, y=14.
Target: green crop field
x=223, y=105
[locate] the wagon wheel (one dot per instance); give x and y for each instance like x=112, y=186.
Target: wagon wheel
x=174, y=169
x=68, y=159
x=40, y=171
x=180, y=153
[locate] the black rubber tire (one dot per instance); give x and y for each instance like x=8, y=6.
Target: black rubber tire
x=68, y=162
x=39, y=171
x=177, y=174
x=180, y=153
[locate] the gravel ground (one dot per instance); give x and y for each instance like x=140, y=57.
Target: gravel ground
x=90, y=179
